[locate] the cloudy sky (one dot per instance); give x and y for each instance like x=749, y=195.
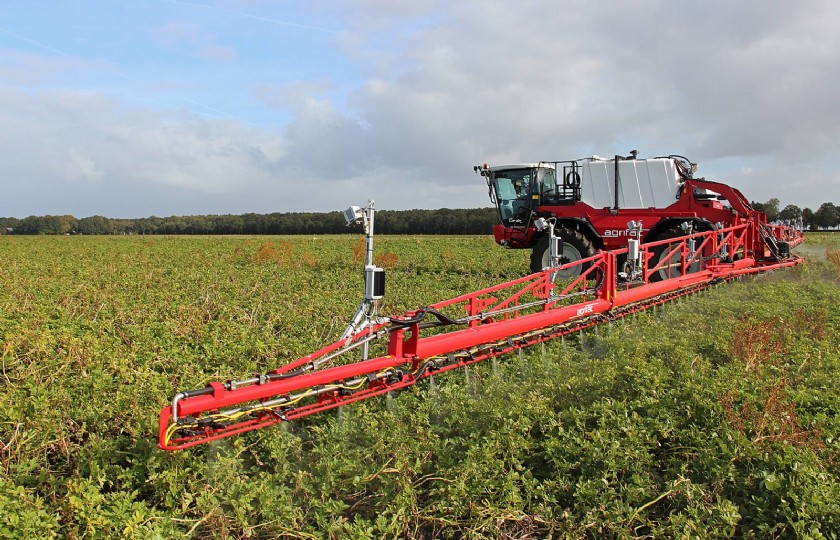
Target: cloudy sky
x=165, y=107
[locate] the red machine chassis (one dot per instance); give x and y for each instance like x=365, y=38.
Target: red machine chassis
x=610, y=225
x=487, y=323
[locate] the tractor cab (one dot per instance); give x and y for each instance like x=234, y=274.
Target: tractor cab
x=511, y=188
x=518, y=190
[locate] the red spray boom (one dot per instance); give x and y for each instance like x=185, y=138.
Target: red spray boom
x=472, y=327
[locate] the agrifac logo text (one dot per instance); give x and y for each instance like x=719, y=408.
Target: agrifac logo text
x=585, y=309
x=616, y=233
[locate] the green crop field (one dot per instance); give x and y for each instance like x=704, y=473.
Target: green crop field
x=713, y=417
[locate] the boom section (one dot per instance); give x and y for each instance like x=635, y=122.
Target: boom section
x=467, y=329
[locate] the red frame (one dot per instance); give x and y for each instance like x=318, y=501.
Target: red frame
x=608, y=219
x=502, y=318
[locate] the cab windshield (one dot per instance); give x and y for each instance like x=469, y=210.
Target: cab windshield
x=513, y=193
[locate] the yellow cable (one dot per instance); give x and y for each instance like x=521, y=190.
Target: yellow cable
x=170, y=431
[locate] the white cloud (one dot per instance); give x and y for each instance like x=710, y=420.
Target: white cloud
x=746, y=89
x=81, y=166
x=502, y=82
x=65, y=140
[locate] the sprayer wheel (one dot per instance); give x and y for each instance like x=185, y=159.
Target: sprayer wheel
x=660, y=252
x=576, y=246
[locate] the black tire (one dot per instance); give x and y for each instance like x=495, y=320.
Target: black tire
x=660, y=252
x=576, y=246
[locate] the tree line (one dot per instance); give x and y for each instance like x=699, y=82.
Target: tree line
x=443, y=221
x=827, y=215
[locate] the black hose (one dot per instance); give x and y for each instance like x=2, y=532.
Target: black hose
x=200, y=392
x=442, y=318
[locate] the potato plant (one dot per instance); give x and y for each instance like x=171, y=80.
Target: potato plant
x=715, y=417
